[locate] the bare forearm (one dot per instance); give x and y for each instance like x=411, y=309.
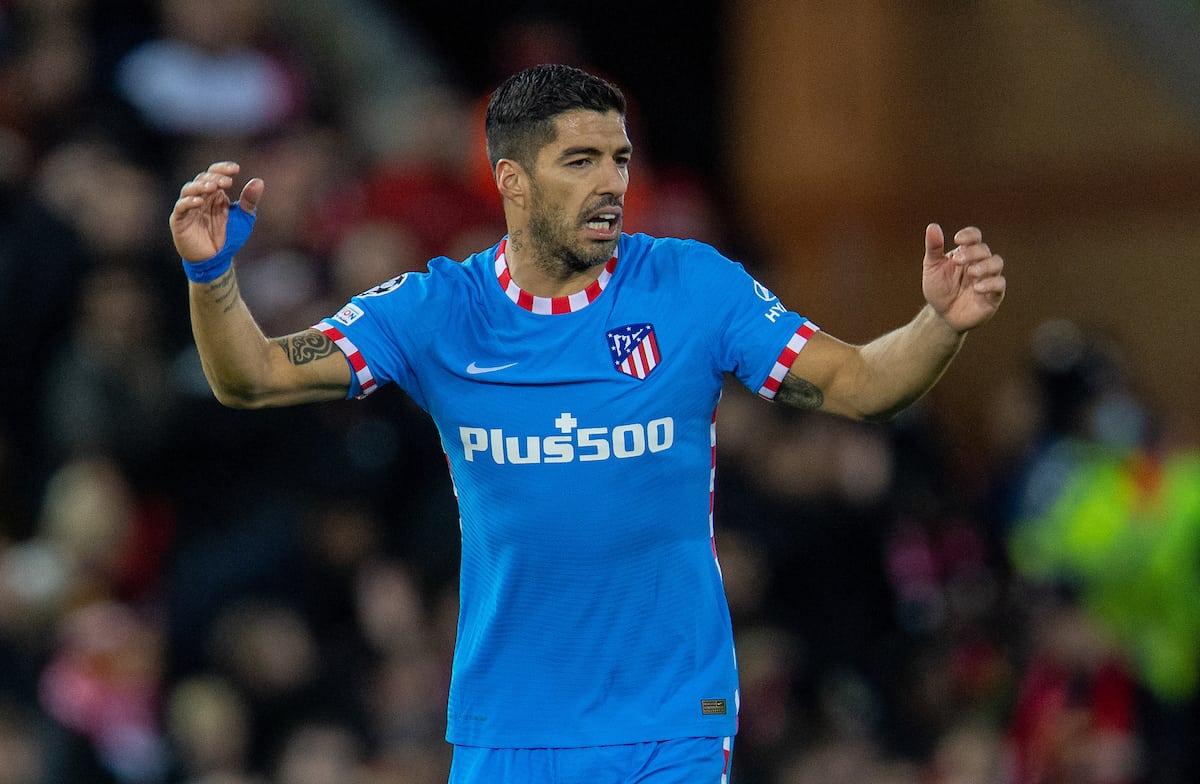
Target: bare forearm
x=874, y=381
x=901, y=366
x=233, y=350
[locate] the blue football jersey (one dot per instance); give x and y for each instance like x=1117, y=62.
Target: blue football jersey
x=580, y=433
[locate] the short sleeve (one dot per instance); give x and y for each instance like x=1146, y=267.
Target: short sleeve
x=754, y=335
x=378, y=329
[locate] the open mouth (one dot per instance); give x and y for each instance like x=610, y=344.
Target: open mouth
x=605, y=222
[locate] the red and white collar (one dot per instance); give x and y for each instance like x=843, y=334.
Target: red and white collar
x=550, y=305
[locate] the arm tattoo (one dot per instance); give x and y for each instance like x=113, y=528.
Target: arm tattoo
x=305, y=347
x=229, y=297
x=795, y=391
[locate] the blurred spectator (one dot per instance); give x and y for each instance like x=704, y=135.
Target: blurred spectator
x=96, y=186
x=407, y=696
x=770, y=661
x=369, y=253
x=270, y=654
x=369, y=65
x=407, y=707
x=1109, y=511
x=102, y=686
x=103, y=540
x=424, y=185
x=104, y=389
x=390, y=608
x=209, y=726
x=1074, y=718
x=321, y=753
x=1124, y=533
x=48, y=73
x=971, y=753
x=213, y=70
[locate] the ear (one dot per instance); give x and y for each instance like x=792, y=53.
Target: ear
x=511, y=180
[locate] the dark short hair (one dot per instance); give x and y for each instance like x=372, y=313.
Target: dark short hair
x=521, y=112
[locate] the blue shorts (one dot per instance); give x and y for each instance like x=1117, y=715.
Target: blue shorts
x=681, y=761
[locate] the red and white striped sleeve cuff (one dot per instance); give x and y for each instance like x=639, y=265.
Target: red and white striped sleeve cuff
x=366, y=381
x=784, y=361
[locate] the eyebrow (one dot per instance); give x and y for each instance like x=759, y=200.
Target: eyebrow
x=625, y=149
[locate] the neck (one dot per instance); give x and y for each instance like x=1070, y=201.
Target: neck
x=544, y=273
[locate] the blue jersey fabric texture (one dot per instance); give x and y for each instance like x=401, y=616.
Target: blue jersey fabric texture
x=592, y=609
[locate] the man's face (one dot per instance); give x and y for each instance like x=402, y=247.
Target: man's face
x=577, y=189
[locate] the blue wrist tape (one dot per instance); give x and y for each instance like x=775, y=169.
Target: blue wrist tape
x=237, y=231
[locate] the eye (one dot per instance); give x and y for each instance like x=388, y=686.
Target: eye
x=579, y=163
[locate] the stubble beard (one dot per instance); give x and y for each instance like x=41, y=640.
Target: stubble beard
x=559, y=254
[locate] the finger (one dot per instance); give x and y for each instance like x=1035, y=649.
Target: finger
x=971, y=254
x=204, y=184
x=228, y=168
x=990, y=266
x=183, y=206
x=217, y=178
x=221, y=173
x=197, y=188
x=935, y=241
x=251, y=193
x=995, y=285
x=186, y=203
x=968, y=236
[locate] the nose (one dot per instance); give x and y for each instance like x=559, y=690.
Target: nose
x=614, y=178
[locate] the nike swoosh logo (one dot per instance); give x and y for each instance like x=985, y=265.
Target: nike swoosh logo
x=475, y=370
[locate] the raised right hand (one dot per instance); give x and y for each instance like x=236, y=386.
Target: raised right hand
x=201, y=213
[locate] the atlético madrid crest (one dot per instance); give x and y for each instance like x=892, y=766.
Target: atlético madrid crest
x=634, y=349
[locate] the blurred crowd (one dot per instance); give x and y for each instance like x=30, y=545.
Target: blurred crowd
x=195, y=595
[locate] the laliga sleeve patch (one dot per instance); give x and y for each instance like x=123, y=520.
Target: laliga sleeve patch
x=349, y=314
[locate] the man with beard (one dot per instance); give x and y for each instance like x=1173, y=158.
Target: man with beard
x=573, y=373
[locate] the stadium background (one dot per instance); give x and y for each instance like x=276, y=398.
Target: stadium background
x=191, y=594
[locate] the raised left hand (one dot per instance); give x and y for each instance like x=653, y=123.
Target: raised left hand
x=964, y=285
x=200, y=217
